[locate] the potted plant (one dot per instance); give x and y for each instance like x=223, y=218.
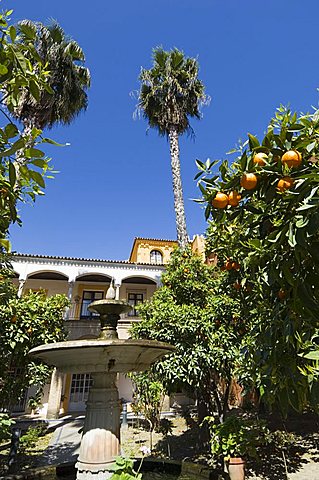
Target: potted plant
x=34, y=403
x=235, y=440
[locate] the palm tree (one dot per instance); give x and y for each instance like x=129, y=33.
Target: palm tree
x=170, y=93
x=68, y=78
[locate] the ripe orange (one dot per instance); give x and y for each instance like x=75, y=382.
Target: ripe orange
x=248, y=181
x=220, y=201
x=237, y=285
x=292, y=158
x=14, y=319
x=259, y=159
x=235, y=266
x=233, y=198
x=285, y=183
x=228, y=265
x=281, y=294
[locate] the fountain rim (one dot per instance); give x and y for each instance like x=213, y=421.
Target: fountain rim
x=96, y=342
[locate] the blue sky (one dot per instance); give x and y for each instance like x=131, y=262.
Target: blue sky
x=115, y=181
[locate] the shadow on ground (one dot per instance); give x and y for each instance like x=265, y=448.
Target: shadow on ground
x=274, y=462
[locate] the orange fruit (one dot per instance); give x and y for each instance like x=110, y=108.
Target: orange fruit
x=228, y=265
x=235, y=266
x=233, y=198
x=292, y=158
x=14, y=319
x=248, y=181
x=220, y=201
x=237, y=285
x=285, y=183
x=259, y=159
x=281, y=294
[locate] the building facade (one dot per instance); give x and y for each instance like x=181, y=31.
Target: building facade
x=83, y=281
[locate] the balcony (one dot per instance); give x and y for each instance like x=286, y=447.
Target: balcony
x=87, y=325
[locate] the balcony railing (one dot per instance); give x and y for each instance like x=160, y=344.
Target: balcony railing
x=80, y=323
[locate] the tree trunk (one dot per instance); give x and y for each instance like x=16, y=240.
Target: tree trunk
x=182, y=236
x=203, y=411
x=20, y=157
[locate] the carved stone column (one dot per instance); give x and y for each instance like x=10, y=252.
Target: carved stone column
x=69, y=295
x=101, y=434
x=117, y=286
x=21, y=285
x=55, y=393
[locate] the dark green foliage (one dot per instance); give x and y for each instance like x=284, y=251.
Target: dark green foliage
x=190, y=313
x=26, y=322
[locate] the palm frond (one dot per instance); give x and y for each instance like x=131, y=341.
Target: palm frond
x=170, y=91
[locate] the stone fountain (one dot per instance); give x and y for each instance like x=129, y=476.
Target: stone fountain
x=104, y=358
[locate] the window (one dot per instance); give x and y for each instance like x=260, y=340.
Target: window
x=156, y=257
x=80, y=387
x=89, y=296
x=134, y=299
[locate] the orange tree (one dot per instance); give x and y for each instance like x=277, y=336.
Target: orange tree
x=188, y=312
x=25, y=323
x=266, y=239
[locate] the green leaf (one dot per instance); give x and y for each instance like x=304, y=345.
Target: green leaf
x=11, y=130
x=34, y=89
x=12, y=33
x=37, y=177
x=6, y=244
x=3, y=69
x=33, y=152
x=12, y=174
x=291, y=236
x=310, y=147
x=20, y=60
x=295, y=128
x=49, y=140
x=253, y=141
x=39, y=162
x=312, y=355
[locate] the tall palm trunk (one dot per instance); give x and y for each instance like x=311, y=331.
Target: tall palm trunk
x=182, y=236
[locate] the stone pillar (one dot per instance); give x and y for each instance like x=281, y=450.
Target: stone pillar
x=55, y=394
x=69, y=295
x=117, y=286
x=21, y=285
x=101, y=433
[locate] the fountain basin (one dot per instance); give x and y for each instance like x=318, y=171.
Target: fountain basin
x=99, y=355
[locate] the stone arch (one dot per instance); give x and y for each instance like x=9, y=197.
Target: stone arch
x=94, y=277
x=47, y=275
x=140, y=279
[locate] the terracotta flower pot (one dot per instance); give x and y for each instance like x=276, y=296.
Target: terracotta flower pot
x=235, y=467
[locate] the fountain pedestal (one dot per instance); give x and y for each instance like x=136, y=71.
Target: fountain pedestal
x=103, y=358
x=100, y=443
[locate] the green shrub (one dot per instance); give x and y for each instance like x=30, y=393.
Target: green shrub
x=237, y=437
x=5, y=426
x=31, y=437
